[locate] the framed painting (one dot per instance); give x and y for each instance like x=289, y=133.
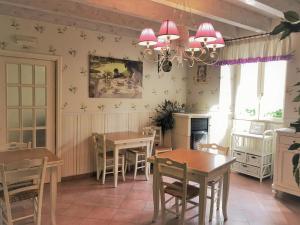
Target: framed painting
x=115, y=78
x=201, y=76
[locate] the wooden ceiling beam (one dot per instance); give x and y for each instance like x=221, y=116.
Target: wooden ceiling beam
x=224, y=12
x=283, y=5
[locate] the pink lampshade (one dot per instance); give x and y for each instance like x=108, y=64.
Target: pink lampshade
x=206, y=33
x=219, y=43
x=161, y=44
x=168, y=30
x=194, y=45
x=147, y=37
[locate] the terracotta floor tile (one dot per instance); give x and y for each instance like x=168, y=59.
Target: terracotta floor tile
x=87, y=202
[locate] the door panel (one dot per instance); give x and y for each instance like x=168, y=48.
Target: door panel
x=27, y=101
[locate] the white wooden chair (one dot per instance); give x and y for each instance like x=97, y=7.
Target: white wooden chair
x=216, y=184
x=173, y=181
x=15, y=146
x=137, y=156
x=158, y=142
x=22, y=180
x=105, y=158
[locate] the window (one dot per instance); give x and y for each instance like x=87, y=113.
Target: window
x=26, y=103
x=260, y=89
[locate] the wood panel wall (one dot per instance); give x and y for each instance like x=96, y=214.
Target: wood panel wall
x=77, y=128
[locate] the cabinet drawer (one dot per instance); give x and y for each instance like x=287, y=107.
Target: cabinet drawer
x=288, y=140
x=240, y=156
x=249, y=169
x=236, y=166
x=253, y=160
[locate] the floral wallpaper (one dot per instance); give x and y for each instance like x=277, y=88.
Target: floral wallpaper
x=74, y=45
x=203, y=96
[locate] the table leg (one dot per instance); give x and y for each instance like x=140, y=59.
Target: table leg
x=53, y=194
x=147, y=166
x=202, y=200
x=155, y=190
x=226, y=181
x=116, y=161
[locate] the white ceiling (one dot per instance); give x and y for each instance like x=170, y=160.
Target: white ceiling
x=234, y=18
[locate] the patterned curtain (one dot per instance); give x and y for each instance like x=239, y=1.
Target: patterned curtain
x=258, y=49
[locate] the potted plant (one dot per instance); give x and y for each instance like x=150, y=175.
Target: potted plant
x=296, y=162
x=164, y=114
x=290, y=24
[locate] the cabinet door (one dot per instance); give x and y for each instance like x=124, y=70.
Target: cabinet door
x=285, y=169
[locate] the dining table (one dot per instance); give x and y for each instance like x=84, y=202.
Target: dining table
x=53, y=163
x=125, y=140
x=202, y=168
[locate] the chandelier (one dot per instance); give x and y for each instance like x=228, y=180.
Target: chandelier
x=176, y=45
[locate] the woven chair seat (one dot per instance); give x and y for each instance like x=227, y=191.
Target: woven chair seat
x=192, y=191
x=21, y=196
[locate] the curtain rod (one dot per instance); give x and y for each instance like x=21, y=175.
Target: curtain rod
x=248, y=37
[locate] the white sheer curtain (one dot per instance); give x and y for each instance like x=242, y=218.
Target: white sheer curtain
x=260, y=49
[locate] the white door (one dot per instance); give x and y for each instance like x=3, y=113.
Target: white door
x=27, y=102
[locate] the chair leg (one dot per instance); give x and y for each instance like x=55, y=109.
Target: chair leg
x=123, y=168
x=177, y=207
x=135, y=166
x=219, y=194
x=163, y=208
x=8, y=213
x=212, y=202
x=104, y=173
x=183, y=209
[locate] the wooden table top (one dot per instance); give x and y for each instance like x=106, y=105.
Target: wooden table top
x=203, y=162
x=18, y=155
x=125, y=137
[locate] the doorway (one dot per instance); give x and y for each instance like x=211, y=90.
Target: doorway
x=27, y=101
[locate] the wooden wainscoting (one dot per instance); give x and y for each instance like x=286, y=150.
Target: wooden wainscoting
x=76, y=150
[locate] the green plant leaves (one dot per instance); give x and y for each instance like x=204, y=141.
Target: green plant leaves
x=291, y=16
x=296, y=99
x=164, y=117
x=294, y=146
x=289, y=25
x=279, y=28
x=285, y=34
x=296, y=169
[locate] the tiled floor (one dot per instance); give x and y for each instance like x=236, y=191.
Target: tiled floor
x=86, y=202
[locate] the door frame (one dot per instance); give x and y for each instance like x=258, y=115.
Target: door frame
x=58, y=86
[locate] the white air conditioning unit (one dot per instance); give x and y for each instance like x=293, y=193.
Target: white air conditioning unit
x=26, y=42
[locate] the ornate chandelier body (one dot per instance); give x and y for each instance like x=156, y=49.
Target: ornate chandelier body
x=175, y=45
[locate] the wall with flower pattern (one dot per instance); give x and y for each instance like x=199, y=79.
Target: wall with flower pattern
x=74, y=45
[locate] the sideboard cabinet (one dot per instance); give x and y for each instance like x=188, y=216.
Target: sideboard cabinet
x=284, y=179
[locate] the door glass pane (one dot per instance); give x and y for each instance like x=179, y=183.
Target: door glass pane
x=26, y=74
x=40, y=74
x=26, y=96
x=40, y=138
x=27, y=136
x=13, y=136
x=40, y=118
x=12, y=96
x=27, y=118
x=40, y=96
x=13, y=119
x=12, y=73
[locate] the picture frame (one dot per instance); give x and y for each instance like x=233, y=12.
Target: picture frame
x=115, y=78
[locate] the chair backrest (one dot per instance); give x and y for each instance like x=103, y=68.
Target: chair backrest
x=15, y=146
x=158, y=136
x=99, y=143
x=23, y=176
x=167, y=169
x=150, y=132
x=213, y=148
